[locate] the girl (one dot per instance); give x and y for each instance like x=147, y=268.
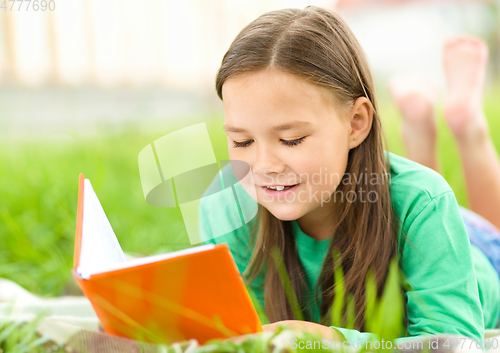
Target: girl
x=300, y=109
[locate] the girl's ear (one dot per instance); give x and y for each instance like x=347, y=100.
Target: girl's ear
x=360, y=120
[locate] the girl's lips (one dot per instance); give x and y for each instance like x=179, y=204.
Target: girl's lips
x=279, y=194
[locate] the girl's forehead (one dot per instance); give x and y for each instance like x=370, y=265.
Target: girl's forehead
x=267, y=89
x=278, y=100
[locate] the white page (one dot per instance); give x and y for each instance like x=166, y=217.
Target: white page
x=100, y=250
x=100, y=247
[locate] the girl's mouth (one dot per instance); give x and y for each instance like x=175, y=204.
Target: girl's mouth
x=279, y=191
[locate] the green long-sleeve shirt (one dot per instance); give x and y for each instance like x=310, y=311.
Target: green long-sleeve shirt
x=455, y=288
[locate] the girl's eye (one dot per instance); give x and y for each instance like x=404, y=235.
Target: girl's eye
x=293, y=142
x=285, y=142
x=242, y=144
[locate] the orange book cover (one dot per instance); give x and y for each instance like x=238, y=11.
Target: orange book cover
x=192, y=293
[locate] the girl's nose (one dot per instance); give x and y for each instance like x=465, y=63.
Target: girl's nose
x=267, y=162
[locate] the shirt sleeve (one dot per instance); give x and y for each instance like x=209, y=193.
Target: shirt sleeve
x=437, y=263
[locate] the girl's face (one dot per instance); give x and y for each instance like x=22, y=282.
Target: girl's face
x=291, y=133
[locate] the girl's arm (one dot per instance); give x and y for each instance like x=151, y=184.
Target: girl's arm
x=438, y=266
x=437, y=263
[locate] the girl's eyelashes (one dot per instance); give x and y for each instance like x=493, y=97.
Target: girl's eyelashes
x=242, y=144
x=293, y=142
x=285, y=142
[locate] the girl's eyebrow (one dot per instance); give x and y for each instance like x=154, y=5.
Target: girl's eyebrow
x=282, y=127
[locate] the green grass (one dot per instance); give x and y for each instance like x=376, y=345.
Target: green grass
x=21, y=337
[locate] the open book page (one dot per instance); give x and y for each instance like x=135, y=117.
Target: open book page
x=100, y=250
x=99, y=246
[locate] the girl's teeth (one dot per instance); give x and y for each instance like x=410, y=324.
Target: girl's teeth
x=279, y=188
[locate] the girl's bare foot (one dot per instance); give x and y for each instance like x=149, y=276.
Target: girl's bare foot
x=415, y=98
x=465, y=59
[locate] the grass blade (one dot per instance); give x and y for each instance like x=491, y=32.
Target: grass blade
x=287, y=285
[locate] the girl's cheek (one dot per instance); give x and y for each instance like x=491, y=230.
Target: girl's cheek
x=250, y=188
x=234, y=154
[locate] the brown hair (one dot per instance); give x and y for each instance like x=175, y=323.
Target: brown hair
x=317, y=45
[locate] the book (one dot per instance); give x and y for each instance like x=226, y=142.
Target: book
x=196, y=292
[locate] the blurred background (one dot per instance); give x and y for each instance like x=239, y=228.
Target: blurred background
x=86, y=84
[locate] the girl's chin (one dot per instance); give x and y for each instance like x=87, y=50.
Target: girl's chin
x=285, y=213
